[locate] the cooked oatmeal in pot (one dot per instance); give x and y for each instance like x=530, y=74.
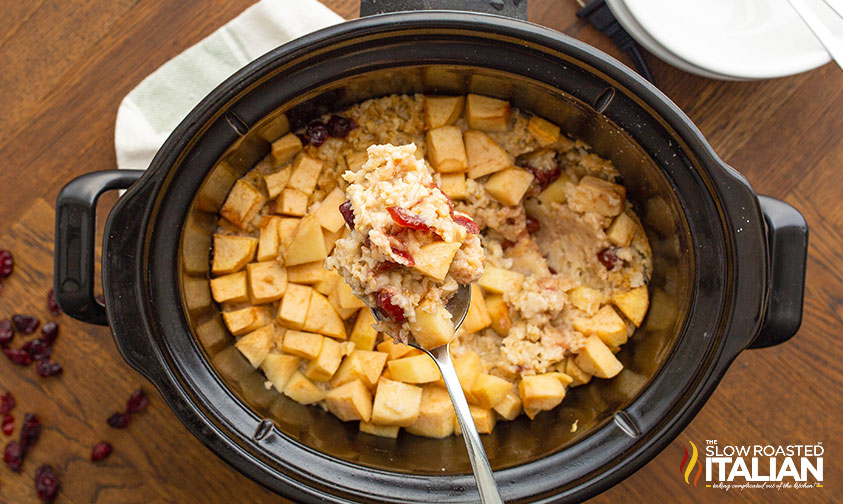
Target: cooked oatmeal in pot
x=559, y=267
x=408, y=249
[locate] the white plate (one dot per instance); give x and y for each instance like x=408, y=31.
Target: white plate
x=635, y=30
x=744, y=39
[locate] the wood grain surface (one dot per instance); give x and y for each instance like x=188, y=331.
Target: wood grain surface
x=67, y=64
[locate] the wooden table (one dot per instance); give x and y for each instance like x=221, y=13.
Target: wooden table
x=67, y=64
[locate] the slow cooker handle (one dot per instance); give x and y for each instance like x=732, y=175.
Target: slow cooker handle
x=787, y=240
x=511, y=8
x=75, y=241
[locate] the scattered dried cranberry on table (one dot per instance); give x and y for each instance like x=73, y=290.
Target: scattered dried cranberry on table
x=48, y=367
x=38, y=349
x=25, y=324
x=119, y=420
x=100, y=451
x=8, y=424
x=52, y=305
x=49, y=332
x=30, y=431
x=7, y=402
x=7, y=331
x=7, y=263
x=18, y=356
x=13, y=456
x=46, y=483
x=137, y=402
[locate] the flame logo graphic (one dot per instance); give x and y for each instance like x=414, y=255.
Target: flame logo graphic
x=686, y=470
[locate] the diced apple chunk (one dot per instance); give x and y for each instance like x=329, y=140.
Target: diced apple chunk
x=305, y=173
x=454, y=185
x=484, y=420
x=346, y=297
x=556, y=191
x=269, y=241
x=322, y=318
x=293, y=308
x=246, y=319
x=499, y=280
x=633, y=303
x=242, y=204
x=255, y=345
x=334, y=299
x=285, y=148
x=396, y=403
x=442, y=110
x=328, y=282
x=231, y=288
x=232, y=253
x=606, y=324
x=286, y=229
x=544, y=131
x=323, y=367
x=579, y=376
x=446, y=150
x=307, y=273
x=596, y=195
x=363, y=365
x=303, y=344
x=596, y=359
x=415, y=369
x=509, y=186
x=328, y=214
x=279, y=367
x=363, y=335
x=331, y=238
x=387, y=431
x=351, y=401
x=484, y=155
x=277, y=181
x=468, y=367
x=488, y=390
x=541, y=392
x=291, y=202
x=302, y=390
x=356, y=160
x=621, y=231
x=307, y=244
x=487, y=114
x=267, y=281
x=394, y=350
x=434, y=259
x=585, y=298
x=436, y=414
x=477, y=317
x=433, y=326
x=501, y=322
x=510, y=406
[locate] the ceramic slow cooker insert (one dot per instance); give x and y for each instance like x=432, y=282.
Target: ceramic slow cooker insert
x=728, y=265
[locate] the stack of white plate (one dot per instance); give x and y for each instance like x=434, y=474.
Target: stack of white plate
x=729, y=39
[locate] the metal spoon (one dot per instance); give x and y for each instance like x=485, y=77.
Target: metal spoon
x=458, y=307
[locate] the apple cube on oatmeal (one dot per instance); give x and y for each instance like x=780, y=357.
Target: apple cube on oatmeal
x=323, y=367
x=446, y=150
x=279, y=367
x=255, y=345
x=243, y=203
x=415, y=369
x=484, y=419
x=322, y=318
x=246, y=319
x=596, y=359
x=363, y=365
x=230, y=288
x=291, y=202
x=308, y=273
x=594, y=194
x=328, y=214
x=556, y=191
x=436, y=414
x=396, y=403
x=606, y=324
x=454, y=185
x=544, y=131
x=232, y=253
x=488, y=390
x=267, y=282
x=434, y=259
x=302, y=390
x=307, y=244
x=510, y=185
x=269, y=241
x=486, y=113
x=442, y=110
x=633, y=304
x=510, y=406
x=305, y=173
x=501, y=321
x=363, y=335
x=433, y=326
x=541, y=392
x=276, y=181
x=484, y=155
x=500, y=280
x=621, y=231
x=292, y=311
x=387, y=431
x=478, y=317
x=303, y=344
x=285, y=148
x=351, y=401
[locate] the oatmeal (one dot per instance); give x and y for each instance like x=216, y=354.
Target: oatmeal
x=562, y=259
x=408, y=249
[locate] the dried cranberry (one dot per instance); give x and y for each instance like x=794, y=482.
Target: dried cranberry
x=137, y=402
x=507, y=244
x=339, y=126
x=7, y=263
x=8, y=424
x=407, y=219
x=303, y=138
x=26, y=324
x=52, y=305
x=18, y=356
x=13, y=456
x=119, y=420
x=47, y=483
x=400, y=250
x=7, y=402
x=388, y=308
x=317, y=133
x=47, y=368
x=100, y=451
x=608, y=257
x=347, y=213
x=544, y=177
x=49, y=332
x=30, y=431
x=466, y=222
x=532, y=225
x=37, y=349
x=7, y=332
x=383, y=267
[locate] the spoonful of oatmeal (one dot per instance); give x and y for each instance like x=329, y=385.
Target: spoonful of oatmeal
x=411, y=258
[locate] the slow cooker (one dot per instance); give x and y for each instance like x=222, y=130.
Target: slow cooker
x=729, y=265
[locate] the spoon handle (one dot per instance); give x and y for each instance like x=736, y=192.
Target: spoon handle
x=486, y=485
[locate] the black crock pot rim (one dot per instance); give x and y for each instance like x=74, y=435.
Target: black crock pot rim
x=722, y=176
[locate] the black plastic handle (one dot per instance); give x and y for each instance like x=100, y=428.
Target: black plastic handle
x=787, y=240
x=75, y=241
x=511, y=8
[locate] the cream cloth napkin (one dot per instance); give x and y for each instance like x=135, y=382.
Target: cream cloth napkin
x=154, y=108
